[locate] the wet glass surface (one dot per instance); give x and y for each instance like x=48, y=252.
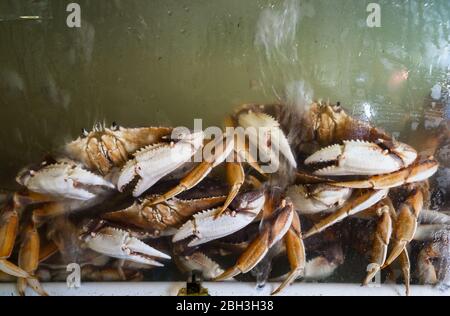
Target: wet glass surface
x=166, y=62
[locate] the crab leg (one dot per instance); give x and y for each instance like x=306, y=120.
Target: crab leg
x=353, y=206
x=296, y=253
x=244, y=153
x=47, y=250
x=236, y=178
x=380, y=244
x=406, y=269
x=29, y=261
x=49, y=210
x=406, y=224
x=221, y=152
x=9, y=225
x=274, y=229
x=414, y=173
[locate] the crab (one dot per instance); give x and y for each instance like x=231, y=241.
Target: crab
x=57, y=187
x=354, y=175
x=363, y=173
x=251, y=136
x=427, y=250
x=103, y=149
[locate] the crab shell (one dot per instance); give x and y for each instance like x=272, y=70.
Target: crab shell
x=154, y=162
x=161, y=216
x=326, y=124
x=65, y=179
x=104, y=148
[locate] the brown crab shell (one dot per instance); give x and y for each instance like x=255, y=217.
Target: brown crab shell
x=105, y=148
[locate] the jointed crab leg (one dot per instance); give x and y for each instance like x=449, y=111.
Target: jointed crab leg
x=353, y=206
x=236, y=178
x=295, y=249
x=380, y=243
x=47, y=250
x=50, y=210
x=9, y=225
x=274, y=229
x=414, y=173
x=29, y=261
x=406, y=269
x=242, y=149
x=406, y=224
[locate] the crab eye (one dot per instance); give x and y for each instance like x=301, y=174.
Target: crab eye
x=114, y=126
x=84, y=132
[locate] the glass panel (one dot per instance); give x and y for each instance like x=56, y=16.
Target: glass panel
x=168, y=62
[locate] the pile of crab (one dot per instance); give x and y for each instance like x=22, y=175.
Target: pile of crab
x=123, y=202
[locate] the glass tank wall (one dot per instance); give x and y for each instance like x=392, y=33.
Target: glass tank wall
x=168, y=62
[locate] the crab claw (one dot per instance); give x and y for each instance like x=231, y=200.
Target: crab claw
x=406, y=224
x=206, y=227
x=64, y=179
x=117, y=243
x=355, y=157
x=154, y=162
x=274, y=138
x=198, y=261
x=312, y=199
x=357, y=203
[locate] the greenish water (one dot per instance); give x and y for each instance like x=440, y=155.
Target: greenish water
x=141, y=62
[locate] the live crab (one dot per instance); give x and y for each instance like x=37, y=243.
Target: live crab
x=328, y=163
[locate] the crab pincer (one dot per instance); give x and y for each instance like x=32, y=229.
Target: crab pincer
x=153, y=162
x=118, y=243
x=205, y=227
